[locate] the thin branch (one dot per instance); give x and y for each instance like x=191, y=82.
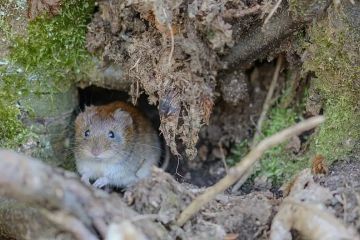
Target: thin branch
x=273, y=10
x=172, y=44
x=267, y=104
x=238, y=171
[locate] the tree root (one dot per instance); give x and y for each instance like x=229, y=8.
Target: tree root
x=61, y=194
x=265, y=38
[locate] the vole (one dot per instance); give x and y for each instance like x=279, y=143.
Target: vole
x=115, y=145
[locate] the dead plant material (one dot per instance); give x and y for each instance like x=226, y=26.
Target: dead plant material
x=312, y=223
x=247, y=162
x=176, y=46
x=318, y=165
x=304, y=210
x=303, y=188
x=37, y=7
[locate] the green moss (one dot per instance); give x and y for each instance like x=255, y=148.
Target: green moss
x=334, y=57
x=12, y=131
x=340, y=132
x=333, y=54
x=298, y=7
x=278, y=163
x=53, y=53
x=47, y=60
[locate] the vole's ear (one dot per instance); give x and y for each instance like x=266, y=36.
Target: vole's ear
x=123, y=117
x=85, y=116
x=80, y=120
x=90, y=108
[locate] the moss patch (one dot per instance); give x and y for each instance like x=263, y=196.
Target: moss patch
x=12, y=87
x=53, y=53
x=278, y=163
x=334, y=57
x=48, y=60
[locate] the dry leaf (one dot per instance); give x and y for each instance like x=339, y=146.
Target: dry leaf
x=207, y=105
x=318, y=165
x=231, y=236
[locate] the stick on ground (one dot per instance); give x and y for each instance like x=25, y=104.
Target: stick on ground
x=238, y=171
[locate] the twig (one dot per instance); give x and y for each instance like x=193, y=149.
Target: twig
x=136, y=65
x=223, y=157
x=273, y=10
x=171, y=37
x=172, y=44
x=267, y=104
x=238, y=171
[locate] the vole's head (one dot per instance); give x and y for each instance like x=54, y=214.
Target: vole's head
x=102, y=135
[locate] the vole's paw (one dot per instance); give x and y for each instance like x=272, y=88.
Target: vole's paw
x=85, y=179
x=101, y=182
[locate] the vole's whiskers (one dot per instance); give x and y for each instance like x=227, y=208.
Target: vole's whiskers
x=146, y=145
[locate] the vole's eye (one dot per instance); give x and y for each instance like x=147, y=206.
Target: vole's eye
x=111, y=134
x=87, y=133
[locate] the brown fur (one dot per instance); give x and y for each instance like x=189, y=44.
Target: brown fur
x=134, y=153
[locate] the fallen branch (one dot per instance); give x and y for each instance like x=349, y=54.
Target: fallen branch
x=238, y=171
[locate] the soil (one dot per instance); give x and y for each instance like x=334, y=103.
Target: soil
x=249, y=216
x=344, y=182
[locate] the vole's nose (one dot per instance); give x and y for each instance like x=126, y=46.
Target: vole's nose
x=96, y=151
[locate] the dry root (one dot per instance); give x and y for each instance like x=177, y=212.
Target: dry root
x=304, y=210
x=84, y=212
